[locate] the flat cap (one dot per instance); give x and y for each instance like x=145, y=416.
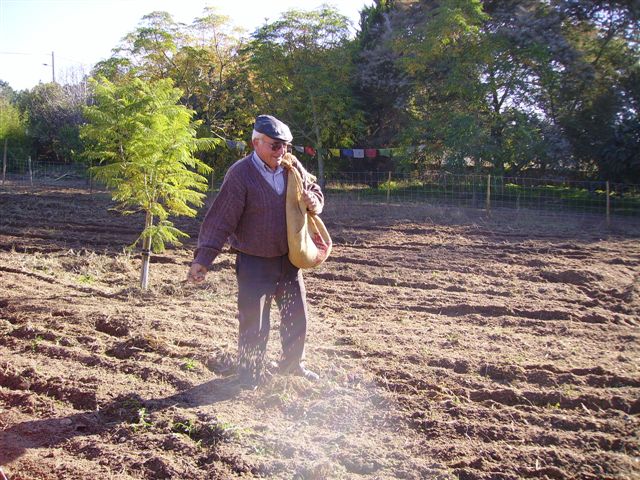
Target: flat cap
x=272, y=127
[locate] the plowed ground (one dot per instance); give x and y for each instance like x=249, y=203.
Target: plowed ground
x=450, y=344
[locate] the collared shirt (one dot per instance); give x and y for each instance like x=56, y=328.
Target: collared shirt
x=275, y=178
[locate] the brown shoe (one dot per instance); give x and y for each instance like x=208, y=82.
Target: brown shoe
x=301, y=371
x=294, y=369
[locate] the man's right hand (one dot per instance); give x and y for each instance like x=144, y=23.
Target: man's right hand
x=196, y=273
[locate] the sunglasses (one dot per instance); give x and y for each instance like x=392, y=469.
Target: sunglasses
x=275, y=146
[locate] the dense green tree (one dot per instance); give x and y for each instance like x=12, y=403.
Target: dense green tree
x=414, y=75
x=202, y=59
x=517, y=84
x=210, y=66
x=12, y=129
x=54, y=115
x=381, y=85
x=514, y=86
x=145, y=142
x=301, y=70
x=598, y=92
x=7, y=92
x=151, y=48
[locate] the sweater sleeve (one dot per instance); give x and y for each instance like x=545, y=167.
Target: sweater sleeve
x=221, y=219
x=309, y=185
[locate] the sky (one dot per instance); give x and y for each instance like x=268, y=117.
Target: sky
x=76, y=34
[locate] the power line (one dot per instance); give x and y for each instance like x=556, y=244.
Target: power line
x=24, y=53
x=46, y=54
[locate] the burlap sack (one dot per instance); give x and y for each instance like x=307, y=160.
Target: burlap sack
x=308, y=238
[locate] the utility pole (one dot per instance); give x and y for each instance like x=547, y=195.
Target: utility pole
x=53, y=68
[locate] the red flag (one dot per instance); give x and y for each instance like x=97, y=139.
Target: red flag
x=371, y=152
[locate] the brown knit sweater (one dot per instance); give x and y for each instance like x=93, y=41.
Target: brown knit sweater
x=249, y=213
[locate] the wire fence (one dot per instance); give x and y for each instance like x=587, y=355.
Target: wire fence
x=28, y=172
x=488, y=192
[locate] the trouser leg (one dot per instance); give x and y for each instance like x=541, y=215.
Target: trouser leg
x=290, y=297
x=257, y=279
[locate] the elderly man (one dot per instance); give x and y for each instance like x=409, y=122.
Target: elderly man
x=249, y=211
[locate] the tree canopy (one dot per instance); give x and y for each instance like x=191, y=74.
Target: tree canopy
x=301, y=71
x=516, y=87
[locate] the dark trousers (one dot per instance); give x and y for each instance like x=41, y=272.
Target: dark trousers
x=261, y=280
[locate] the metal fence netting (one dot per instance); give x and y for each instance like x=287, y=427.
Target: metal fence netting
x=477, y=191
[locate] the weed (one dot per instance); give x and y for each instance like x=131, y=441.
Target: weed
x=190, y=364
x=227, y=430
x=186, y=427
x=127, y=408
x=35, y=343
x=210, y=433
x=86, y=279
x=143, y=420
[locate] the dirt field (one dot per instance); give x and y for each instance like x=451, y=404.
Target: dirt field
x=451, y=346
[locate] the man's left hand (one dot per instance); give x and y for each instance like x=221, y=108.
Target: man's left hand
x=312, y=202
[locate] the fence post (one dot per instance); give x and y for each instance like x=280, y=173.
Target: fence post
x=4, y=160
x=30, y=171
x=473, y=191
x=608, y=204
x=388, y=187
x=488, y=202
x=445, y=186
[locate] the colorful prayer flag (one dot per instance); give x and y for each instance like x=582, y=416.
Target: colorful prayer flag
x=347, y=152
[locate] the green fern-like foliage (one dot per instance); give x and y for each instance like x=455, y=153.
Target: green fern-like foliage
x=142, y=142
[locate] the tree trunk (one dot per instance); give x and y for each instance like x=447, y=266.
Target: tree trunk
x=497, y=135
x=90, y=177
x=321, y=179
x=146, y=254
x=316, y=131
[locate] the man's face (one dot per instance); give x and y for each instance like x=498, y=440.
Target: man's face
x=270, y=150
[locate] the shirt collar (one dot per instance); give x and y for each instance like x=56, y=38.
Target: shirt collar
x=262, y=166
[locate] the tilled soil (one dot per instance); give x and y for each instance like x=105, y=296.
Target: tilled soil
x=451, y=345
